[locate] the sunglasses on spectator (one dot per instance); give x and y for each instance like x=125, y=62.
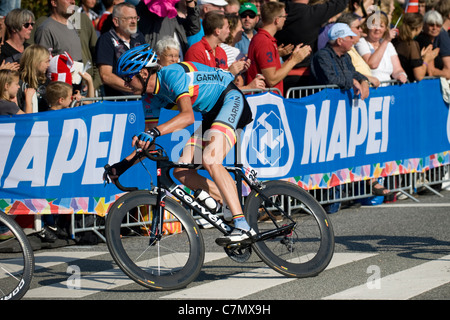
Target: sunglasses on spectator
x=28, y=24
x=249, y=14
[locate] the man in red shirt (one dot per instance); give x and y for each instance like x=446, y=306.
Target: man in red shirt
x=263, y=49
x=207, y=51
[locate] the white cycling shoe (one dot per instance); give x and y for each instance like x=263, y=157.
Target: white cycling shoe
x=237, y=236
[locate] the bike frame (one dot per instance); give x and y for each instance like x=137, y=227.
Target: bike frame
x=166, y=183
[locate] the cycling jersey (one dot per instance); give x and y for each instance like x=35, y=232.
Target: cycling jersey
x=201, y=83
x=212, y=93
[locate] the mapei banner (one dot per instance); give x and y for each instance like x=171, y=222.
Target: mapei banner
x=331, y=137
x=52, y=162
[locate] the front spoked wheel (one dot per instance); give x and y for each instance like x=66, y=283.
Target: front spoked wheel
x=306, y=245
x=167, y=259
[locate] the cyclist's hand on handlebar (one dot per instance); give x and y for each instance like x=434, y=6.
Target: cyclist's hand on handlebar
x=144, y=139
x=110, y=174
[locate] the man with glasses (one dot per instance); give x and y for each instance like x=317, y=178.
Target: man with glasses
x=263, y=50
x=112, y=44
x=249, y=18
x=355, y=23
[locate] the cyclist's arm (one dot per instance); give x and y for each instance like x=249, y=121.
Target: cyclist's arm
x=182, y=120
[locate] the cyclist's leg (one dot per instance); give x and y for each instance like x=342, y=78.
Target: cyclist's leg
x=192, y=153
x=220, y=138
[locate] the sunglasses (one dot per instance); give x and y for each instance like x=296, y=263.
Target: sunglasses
x=250, y=14
x=28, y=24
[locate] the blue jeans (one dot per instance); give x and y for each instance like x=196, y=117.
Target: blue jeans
x=8, y=5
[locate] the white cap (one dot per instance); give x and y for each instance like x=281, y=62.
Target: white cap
x=219, y=3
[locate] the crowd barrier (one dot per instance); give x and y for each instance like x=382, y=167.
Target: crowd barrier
x=329, y=180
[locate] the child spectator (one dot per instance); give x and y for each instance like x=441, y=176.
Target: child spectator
x=9, y=85
x=60, y=94
x=33, y=68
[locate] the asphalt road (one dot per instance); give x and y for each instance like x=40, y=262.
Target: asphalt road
x=397, y=251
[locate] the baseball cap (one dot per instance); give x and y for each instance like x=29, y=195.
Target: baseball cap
x=340, y=30
x=248, y=7
x=219, y=3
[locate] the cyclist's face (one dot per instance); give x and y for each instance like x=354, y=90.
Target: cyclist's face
x=136, y=83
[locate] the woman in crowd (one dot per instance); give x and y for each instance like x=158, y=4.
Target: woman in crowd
x=19, y=25
x=168, y=51
x=414, y=61
x=434, y=34
x=33, y=69
x=377, y=49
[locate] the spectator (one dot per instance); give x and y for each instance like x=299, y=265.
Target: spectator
x=156, y=25
x=422, y=7
x=19, y=24
x=414, y=61
x=168, y=51
x=434, y=34
x=2, y=29
x=112, y=44
x=61, y=68
x=60, y=94
x=249, y=18
x=302, y=26
x=354, y=22
x=207, y=51
x=360, y=7
x=34, y=63
x=263, y=50
x=378, y=51
x=443, y=7
x=87, y=7
x=105, y=20
x=333, y=65
x=8, y=5
x=232, y=7
x=205, y=6
x=9, y=86
x=58, y=33
x=231, y=51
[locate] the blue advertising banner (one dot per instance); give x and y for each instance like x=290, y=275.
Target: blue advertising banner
x=334, y=135
x=52, y=162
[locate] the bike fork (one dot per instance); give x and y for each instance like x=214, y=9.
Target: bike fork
x=157, y=220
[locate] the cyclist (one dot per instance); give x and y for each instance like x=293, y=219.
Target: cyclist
x=189, y=87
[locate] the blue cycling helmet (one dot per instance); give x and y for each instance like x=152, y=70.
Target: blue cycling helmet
x=135, y=59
